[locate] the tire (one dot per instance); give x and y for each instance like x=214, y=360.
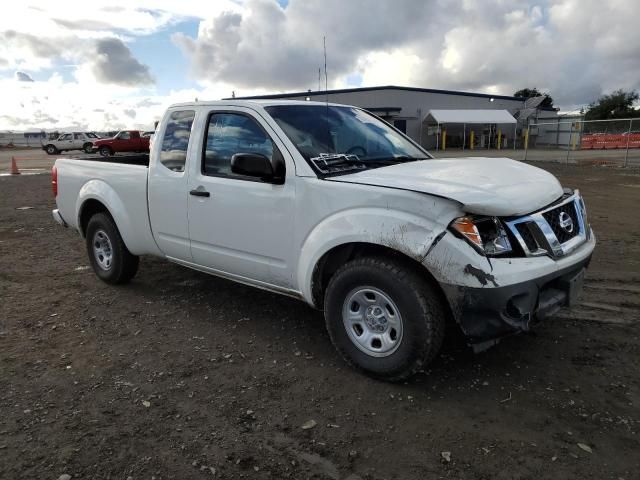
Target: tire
x=51, y=150
x=109, y=257
x=409, y=304
x=88, y=148
x=106, y=151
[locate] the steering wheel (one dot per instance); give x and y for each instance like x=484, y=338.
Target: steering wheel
x=352, y=151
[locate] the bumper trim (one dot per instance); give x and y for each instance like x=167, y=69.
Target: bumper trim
x=57, y=216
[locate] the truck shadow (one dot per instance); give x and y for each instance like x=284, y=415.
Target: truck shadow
x=269, y=318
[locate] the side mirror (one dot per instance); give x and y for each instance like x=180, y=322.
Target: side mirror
x=253, y=165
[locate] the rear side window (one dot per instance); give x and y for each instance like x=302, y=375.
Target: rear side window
x=173, y=153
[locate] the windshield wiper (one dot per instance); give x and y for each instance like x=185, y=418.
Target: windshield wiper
x=395, y=159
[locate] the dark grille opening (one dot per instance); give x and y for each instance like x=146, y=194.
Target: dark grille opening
x=553, y=219
x=527, y=236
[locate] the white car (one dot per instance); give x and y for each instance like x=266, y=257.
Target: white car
x=329, y=204
x=71, y=141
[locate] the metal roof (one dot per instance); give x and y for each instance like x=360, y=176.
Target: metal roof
x=469, y=116
x=385, y=87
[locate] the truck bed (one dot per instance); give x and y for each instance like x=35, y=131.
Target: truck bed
x=119, y=183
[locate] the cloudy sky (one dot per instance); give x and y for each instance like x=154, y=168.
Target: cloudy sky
x=114, y=64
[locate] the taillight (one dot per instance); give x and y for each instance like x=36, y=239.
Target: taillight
x=54, y=180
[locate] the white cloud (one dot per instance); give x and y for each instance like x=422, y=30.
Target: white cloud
x=575, y=49
x=570, y=48
x=82, y=104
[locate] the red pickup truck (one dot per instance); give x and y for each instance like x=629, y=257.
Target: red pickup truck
x=124, y=141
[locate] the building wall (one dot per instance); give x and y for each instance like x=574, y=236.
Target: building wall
x=414, y=104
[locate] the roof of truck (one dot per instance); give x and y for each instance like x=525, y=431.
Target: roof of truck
x=251, y=103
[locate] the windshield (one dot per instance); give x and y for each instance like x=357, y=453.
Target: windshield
x=321, y=132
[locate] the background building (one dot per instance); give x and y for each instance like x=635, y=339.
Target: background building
x=419, y=112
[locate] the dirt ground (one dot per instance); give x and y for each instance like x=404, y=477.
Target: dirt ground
x=186, y=376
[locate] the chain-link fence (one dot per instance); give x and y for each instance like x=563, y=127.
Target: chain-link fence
x=595, y=142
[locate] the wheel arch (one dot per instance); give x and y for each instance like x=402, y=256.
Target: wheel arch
x=88, y=209
x=337, y=256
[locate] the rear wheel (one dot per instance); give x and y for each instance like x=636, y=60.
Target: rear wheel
x=384, y=317
x=51, y=150
x=106, y=151
x=111, y=260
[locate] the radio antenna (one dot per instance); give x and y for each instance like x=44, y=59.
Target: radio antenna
x=326, y=81
x=326, y=90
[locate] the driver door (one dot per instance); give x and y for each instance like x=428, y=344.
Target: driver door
x=240, y=225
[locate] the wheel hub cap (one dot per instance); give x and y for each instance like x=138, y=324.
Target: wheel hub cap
x=372, y=321
x=375, y=319
x=102, y=250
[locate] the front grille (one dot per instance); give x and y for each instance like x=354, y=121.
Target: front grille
x=553, y=218
x=524, y=229
x=555, y=231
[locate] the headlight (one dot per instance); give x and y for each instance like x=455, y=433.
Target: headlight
x=485, y=234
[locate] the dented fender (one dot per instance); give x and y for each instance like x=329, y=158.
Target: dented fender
x=404, y=232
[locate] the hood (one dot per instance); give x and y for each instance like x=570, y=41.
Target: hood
x=487, y=186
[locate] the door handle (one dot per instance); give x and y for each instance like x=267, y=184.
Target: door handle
x=199, y=193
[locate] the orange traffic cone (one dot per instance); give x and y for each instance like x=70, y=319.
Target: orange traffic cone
x=14, y=167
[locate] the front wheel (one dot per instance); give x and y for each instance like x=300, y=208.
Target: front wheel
x=51, y=150
x=111, y=260
x=88, y=148
x=106, y=151
x=384, y=317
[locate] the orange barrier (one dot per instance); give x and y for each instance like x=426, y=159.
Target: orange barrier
x=606, y=141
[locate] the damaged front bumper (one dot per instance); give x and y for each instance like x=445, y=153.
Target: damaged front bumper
x=496, y=308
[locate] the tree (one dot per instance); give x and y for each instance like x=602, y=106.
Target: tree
x=534, y=92
x=618, y=104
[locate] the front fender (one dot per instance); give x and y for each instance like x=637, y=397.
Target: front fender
x=404, y=232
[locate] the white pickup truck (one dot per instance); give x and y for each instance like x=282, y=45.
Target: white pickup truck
x=331, y=205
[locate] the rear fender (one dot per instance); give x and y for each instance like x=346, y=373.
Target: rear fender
x=135, y=233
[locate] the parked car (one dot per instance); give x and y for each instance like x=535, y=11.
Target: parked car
x=71, y=141
x=331, y=205
x=124, y=141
